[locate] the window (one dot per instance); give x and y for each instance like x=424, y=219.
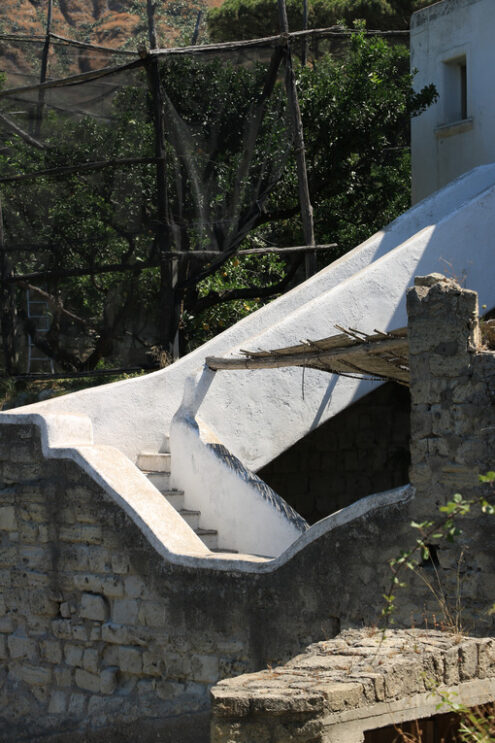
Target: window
x=455, y=94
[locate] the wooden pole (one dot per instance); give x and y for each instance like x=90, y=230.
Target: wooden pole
x=171, y=255
x=7, y=319
x=304, y=55
x=195, y=35
x=168, y=269
x=44, y=69
x=302, y=173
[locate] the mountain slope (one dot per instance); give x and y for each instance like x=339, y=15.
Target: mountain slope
x=113, y=23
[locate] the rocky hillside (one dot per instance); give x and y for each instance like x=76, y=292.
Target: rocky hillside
x=115, y=23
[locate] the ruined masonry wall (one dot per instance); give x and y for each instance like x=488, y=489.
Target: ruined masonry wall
x=362, y=450
x=102, y=639
x=98, y=631
x=453, y=432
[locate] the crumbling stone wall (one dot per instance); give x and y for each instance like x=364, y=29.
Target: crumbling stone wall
x=453, y=432
x=357, y=682
x=98, y=632
x=103, y=639
x=362, y=450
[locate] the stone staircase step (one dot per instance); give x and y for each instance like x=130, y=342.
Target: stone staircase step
x=209, y=537
x=154, y=461
x=161, y=480
x=175, y=498
x=156, y=466
x=220, y=551
x=191, y=517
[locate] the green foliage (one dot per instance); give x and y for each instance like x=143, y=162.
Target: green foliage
x=249, y=19
x=237, y=273
x=431, y=533
x=356, y=113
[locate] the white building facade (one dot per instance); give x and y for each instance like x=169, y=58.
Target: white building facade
x=453, y=46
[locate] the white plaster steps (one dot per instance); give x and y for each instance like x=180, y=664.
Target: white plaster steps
x=156, y=466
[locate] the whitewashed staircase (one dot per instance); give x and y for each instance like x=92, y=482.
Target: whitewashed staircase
x=157, y=466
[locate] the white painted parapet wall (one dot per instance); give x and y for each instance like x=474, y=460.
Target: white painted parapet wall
x=259, y=414
x=69, y=437
x=248, y=515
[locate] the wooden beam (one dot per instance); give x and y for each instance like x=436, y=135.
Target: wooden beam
x=20, y=132
x=138, y=267
x=82, y=167
x=300, y=359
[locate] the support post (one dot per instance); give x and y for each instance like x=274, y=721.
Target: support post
x=195, y=35
x=7, y=307
x=44, y=69
x=304, y=55
x=168, y=268
x=302, y=173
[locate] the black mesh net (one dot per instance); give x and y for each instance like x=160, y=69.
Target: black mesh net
x=107, y=173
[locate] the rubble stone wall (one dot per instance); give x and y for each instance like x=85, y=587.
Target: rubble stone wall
x=103, y=639
x=362, y=450
x=98, y=632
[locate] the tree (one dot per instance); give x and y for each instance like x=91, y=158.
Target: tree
x=230, y=179
x=250, y=19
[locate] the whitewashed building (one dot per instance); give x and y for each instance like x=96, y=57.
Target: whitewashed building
x=452, y=45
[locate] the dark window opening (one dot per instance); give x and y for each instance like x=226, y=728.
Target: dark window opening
x=463, y=86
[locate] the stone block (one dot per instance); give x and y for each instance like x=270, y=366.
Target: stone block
x=80, y=632
x=204, y=668
x=115, y=633
x=22, y=647
x=21, y=453
x=34, y=675
x=62, y=628
x=93, y=606
x=63, y=676
x=74, y=557
x=135, y=587
x=73, y=654
x=58, y=703
x=41, y=603
x=5, y=577
x=8, y=556
x=84, y=533
x=51, y=651
x=3, y=647
x=100, y=560
x=152, y=614
x=87, y=681
x=35, y=557
x=95, y=632
x=153, y=664
x=125, y=611
x=106, y=585
x=109, y=680
x=90, y=660
x=120, y=563
x=130, y=660
x=6, y=624
x=77, y=705
x=65, y=611
x=8, y=520
x=28, y=532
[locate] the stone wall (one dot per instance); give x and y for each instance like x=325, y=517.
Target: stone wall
x=98, y=631
x=359, y=681
x=362, y=450
x=104, y=638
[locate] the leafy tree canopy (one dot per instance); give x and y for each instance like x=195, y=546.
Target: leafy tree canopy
x=356, y=111
x=249, y=19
